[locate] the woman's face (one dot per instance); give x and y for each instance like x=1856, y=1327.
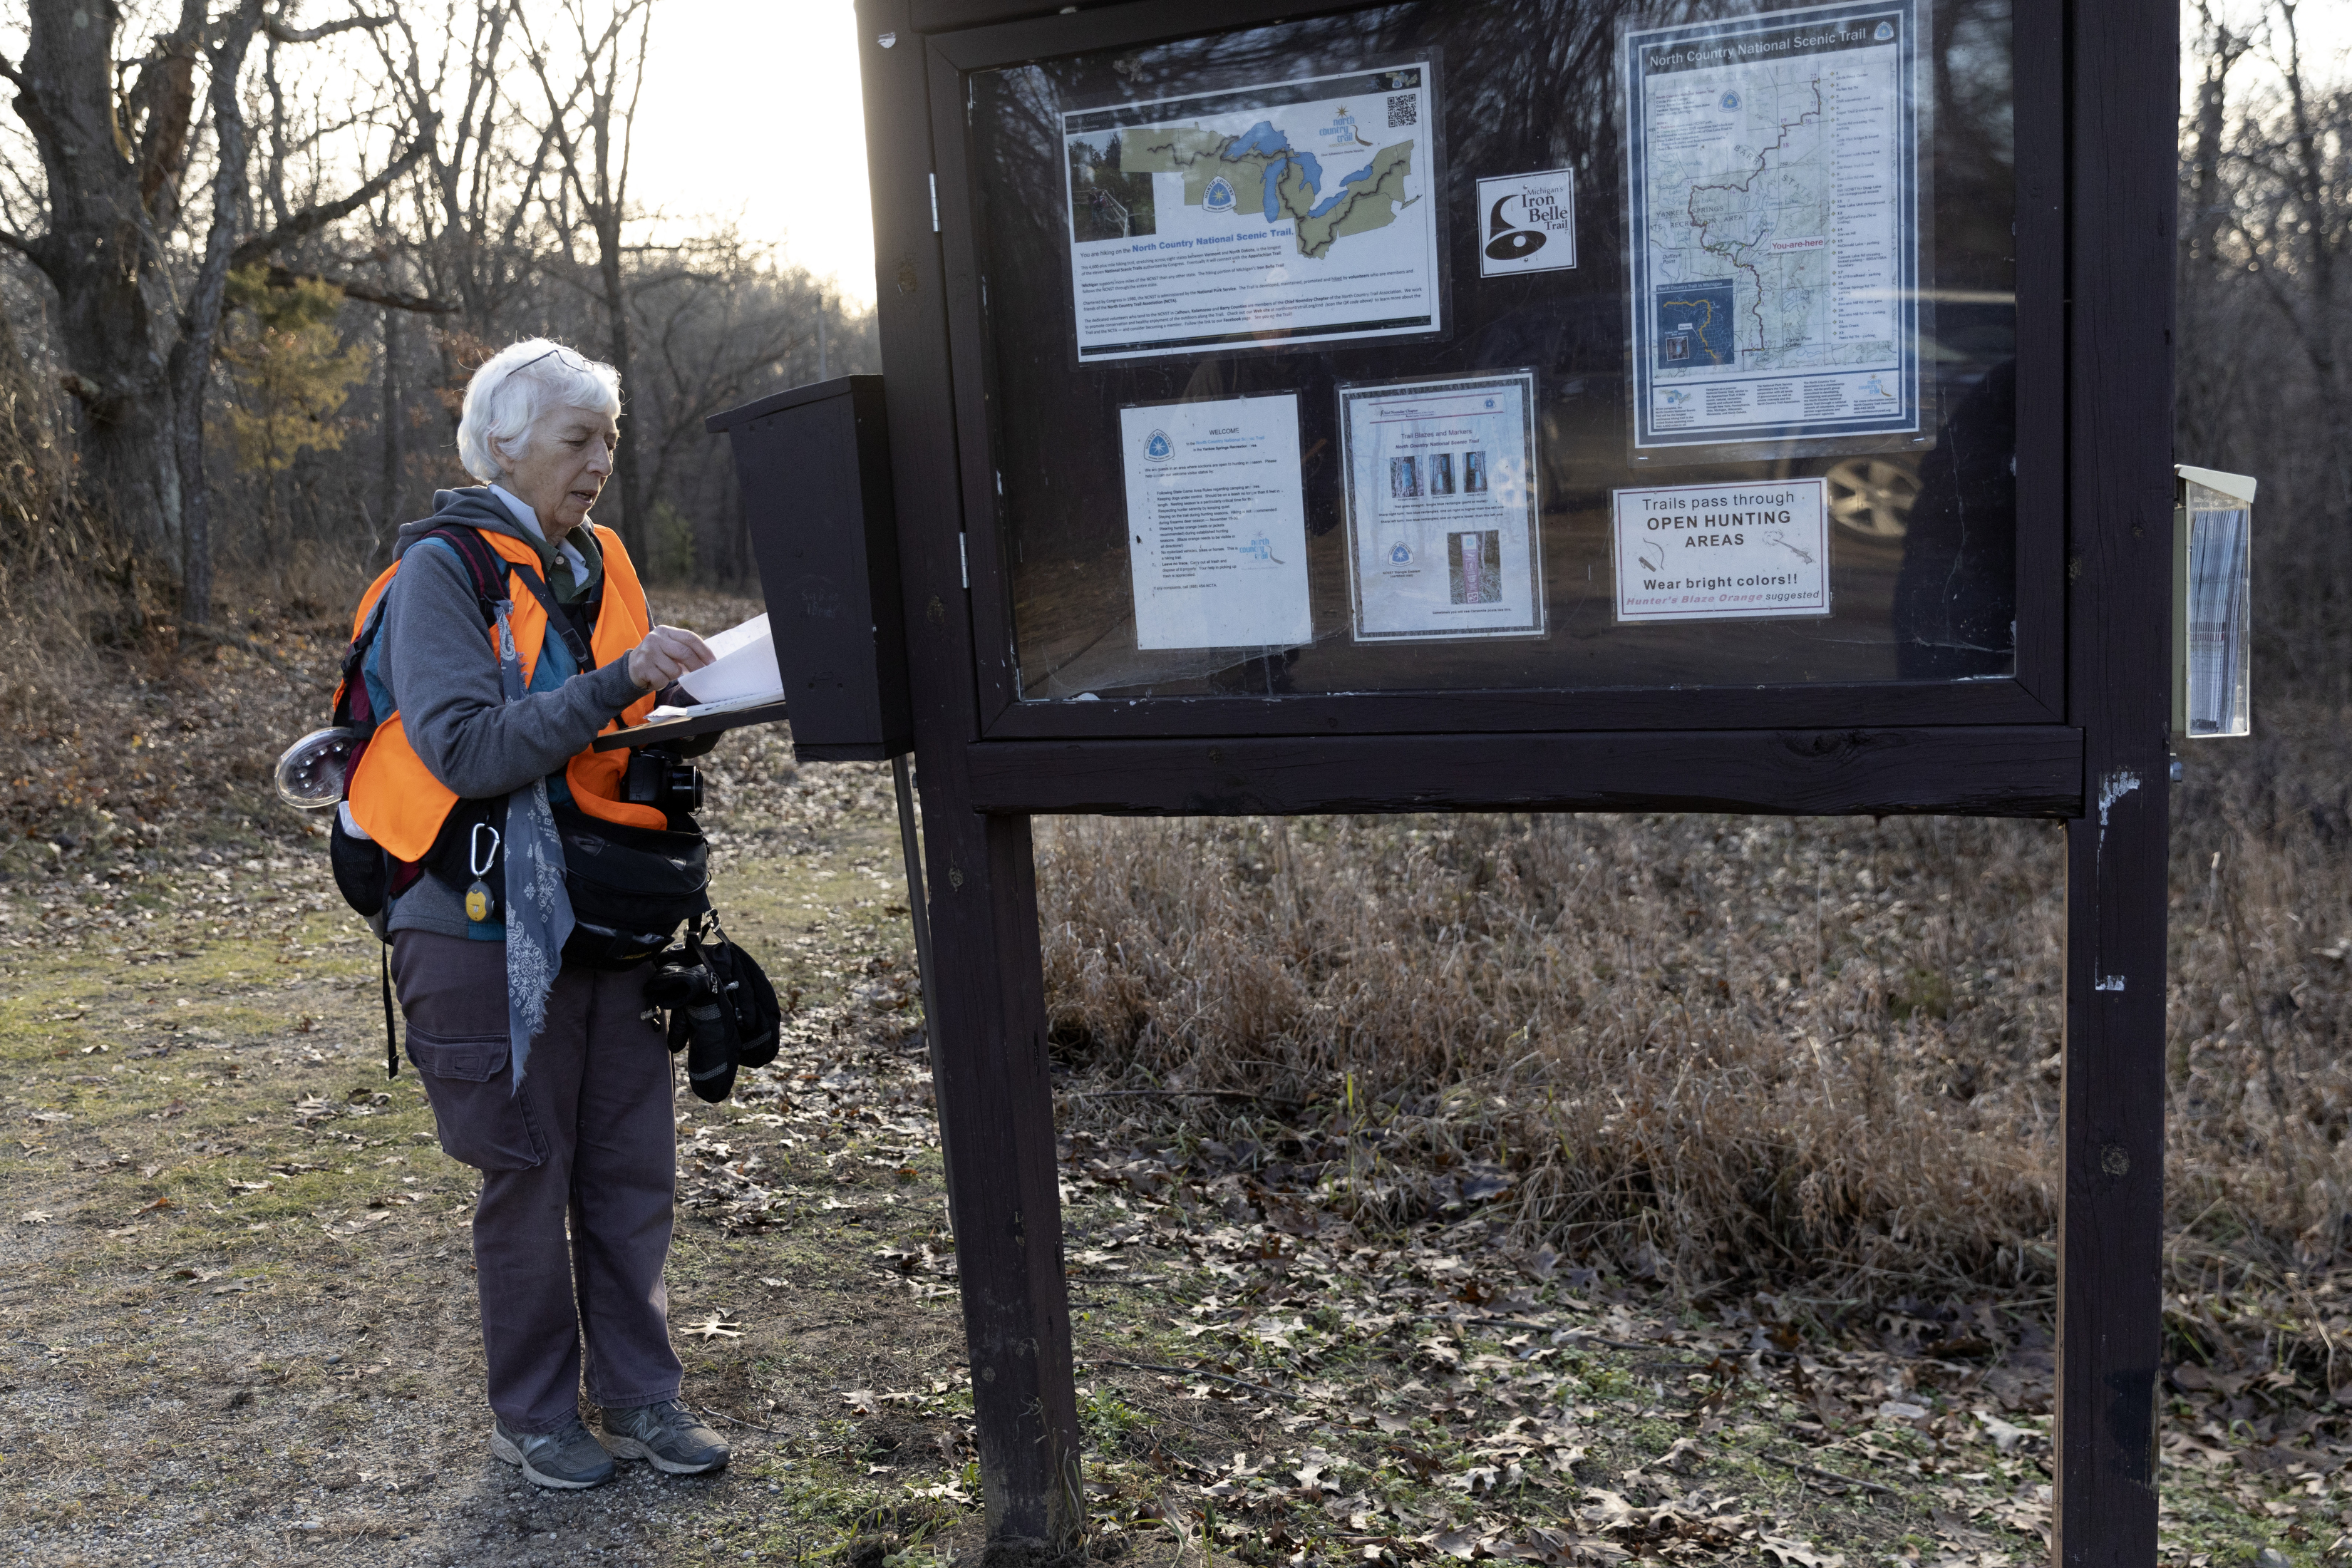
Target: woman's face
x=563, y=466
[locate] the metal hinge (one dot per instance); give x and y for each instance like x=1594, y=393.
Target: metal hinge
x=963, y=564
x=935, y=203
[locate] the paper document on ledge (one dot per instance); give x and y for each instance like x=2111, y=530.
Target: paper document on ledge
x=697, y=709
x=742, y=670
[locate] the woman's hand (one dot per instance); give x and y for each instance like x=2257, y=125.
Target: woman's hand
x=667, y=653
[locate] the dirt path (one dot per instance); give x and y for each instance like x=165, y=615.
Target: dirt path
x=236, y=1318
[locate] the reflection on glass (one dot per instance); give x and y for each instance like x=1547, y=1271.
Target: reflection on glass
x=1916, y=533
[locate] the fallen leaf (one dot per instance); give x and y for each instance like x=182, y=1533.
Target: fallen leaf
x=1682, y=1458
x=2005, y=1438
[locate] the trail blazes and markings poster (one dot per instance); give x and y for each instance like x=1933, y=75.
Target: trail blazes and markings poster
x=1288, y=212
x=1773, y=168
x=1444, y=535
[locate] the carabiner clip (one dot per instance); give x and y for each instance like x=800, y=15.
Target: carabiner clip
x=475, y=861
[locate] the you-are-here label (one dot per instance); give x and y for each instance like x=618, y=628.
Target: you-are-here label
x=1686, y=553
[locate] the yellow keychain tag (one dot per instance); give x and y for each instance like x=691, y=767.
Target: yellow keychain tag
x=480, y=902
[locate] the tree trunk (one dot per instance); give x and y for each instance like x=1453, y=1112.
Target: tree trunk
x=395, y=430
x=627, y=463
x=96, y=254
x=191, y=356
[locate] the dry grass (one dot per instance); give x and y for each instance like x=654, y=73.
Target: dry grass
x=1705, y=1048
x=1719, y=1049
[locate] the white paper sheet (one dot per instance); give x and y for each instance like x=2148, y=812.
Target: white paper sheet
x=1216, y=525
x=1443, y=540
x=743, y=665
x=1723, y=552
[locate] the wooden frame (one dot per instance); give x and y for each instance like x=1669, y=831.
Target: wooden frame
x=2077, y=733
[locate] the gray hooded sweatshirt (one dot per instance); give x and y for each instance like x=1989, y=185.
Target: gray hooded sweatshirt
x=437, y=666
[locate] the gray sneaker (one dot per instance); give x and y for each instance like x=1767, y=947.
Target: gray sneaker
x=668, y=1435
x=569, y=1460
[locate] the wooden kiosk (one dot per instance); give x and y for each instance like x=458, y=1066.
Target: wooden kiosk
x=1532, y=406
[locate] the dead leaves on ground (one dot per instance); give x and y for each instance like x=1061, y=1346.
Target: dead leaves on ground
x=1450, y=1398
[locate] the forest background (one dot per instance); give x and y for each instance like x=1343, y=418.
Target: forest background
x=249, y=254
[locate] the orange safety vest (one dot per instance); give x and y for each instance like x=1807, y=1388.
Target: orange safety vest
x=395, y=798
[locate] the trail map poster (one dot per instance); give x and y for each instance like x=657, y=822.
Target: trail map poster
x=1773, y=173
x=1444, y=535
x=1293, y=212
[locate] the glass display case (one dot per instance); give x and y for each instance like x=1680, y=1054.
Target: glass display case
x=1547, y=348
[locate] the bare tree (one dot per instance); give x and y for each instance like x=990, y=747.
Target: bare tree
x=611, y=62
x=2294, y=214
x=135, y=332
x=2265, y=357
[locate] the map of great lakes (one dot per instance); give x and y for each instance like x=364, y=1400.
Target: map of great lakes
x=1260, y=172
x=1256, y=213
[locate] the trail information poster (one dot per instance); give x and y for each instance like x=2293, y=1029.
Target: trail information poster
x=1723, y=552
x=1443, y=535
x=1772, y=165
x=1216, y=526
x=1292, y=212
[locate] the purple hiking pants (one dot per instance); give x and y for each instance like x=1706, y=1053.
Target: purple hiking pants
x=588, y=1139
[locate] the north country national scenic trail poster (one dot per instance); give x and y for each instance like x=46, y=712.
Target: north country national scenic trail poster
x=1772, y=169
x=1283, y=213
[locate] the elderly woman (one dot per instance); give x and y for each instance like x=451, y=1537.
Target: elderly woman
x=577, y=1149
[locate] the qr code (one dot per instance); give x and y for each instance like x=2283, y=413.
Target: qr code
x=1405, y=109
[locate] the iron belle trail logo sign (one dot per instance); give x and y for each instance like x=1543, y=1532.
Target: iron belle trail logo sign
x=1527, y=222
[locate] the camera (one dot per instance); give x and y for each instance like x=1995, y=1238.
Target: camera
x=662, y=780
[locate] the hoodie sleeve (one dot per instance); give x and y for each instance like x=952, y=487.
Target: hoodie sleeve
x=445, y=681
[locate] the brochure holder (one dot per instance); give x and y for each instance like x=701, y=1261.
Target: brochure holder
x=814, y=467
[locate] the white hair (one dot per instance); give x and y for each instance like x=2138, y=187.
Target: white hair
x=515, y=386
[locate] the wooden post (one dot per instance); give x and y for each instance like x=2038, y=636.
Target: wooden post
x=987, y=1009
x=2111, y=1234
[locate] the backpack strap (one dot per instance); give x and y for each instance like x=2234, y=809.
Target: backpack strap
x=391, y=1040
x=484, y=567
x=582, y=658
x=488, y=570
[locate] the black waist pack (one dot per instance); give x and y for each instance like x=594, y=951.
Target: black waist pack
x=631, y=887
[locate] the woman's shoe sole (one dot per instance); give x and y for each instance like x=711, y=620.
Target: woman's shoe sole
x=503, y=1449
x=630, y=1448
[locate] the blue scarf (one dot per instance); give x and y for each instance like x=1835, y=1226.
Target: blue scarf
x=537, y=910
